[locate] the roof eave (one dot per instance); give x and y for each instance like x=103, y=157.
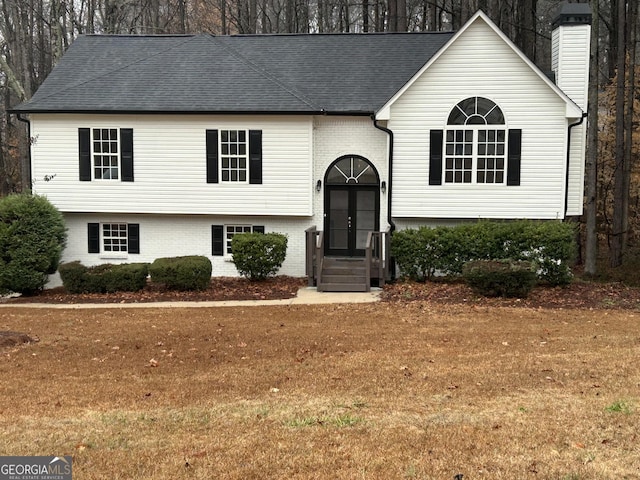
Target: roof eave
x=28, y=111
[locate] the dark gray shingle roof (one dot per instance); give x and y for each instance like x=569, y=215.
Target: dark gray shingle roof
x=335, y=73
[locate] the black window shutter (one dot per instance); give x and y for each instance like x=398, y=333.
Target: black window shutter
x=84, y=148
x=258, y=229
x=513, y=156
x=255, y=156
x=94, y=237
x=435, y=157
x=133, y=237
x=126, y=154
x=217, y=240
x=212, y=156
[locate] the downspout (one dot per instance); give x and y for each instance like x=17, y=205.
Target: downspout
x=389, y=174
x=28, y=178
x=566, y=184
x=392, y=225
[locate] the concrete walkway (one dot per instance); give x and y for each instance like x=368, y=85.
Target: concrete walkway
x=305, y=296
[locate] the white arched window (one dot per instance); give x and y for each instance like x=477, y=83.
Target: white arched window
x=475, y=143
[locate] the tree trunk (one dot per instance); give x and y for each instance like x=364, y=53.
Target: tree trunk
x=628, y=121
x=401, y=6
x=223, y=16
x=365, y=16
x=617, y=235
x=591, y=185
x=528, y=28
x=392, y=23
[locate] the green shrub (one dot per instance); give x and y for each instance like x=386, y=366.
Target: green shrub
x=192, y=272
x=73, y=276
x=258, y=255
x=500, y=278
x=416, y=252
x=126, y=277
x=105, y=278
x=550, y=246
x=32, y=238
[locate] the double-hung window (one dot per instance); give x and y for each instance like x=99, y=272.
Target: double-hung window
x=233, y=155
x=231, y=230
x=222, y=237
x=114, y=239
x=475, y=146
x=105, y=154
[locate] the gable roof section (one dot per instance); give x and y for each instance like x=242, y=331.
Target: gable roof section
x=572, y=110
x=314, y=73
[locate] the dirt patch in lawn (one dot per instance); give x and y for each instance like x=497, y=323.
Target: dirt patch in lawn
x=391, y=390
x=11, y=339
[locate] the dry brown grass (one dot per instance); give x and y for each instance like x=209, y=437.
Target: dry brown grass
x=381, y=391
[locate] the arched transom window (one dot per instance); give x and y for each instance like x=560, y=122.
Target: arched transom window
x=475, y=149
x=352, y=170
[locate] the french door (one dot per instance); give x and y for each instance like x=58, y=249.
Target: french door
x=351, y=212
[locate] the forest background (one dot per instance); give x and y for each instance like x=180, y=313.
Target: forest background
x=35, y=33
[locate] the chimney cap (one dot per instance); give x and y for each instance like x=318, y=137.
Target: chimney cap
x=572, y=14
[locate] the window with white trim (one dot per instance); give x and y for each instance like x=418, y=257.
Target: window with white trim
x=475, y=153
x=234, y=155
x=114, y=237
x=231, y=230
x=105, y=153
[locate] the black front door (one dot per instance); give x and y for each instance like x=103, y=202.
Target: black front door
x=351, y=212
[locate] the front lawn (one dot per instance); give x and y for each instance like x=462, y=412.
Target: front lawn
x=383, y=391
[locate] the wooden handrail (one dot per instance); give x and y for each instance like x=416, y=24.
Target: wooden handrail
x=377, y=249
x=319, y=256
x=368, y=256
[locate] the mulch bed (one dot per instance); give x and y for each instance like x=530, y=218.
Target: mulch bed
x=579, y=294
x=222, y=288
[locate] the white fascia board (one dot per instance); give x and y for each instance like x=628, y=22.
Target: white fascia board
x=573, y=110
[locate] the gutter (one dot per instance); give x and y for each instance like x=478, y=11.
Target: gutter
x=566, y=183
x=27, y=175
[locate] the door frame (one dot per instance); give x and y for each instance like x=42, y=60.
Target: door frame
x=352, y=185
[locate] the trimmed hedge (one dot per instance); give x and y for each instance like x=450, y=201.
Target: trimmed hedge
x=32, y=238
x=192, y=272
x=105, y=278
x=550, y=246
x=258, y=255
x=500, y=278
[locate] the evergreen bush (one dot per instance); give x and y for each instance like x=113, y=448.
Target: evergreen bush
x=191, y=272
x=500, y=278
x=423, y=252
x=258, y=255
x=32, y=238
x=126, y=277
x=105, y=278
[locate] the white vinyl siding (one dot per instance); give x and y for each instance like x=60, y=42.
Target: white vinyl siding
x=570, y=62
x=479, y=63
x=170, y=166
